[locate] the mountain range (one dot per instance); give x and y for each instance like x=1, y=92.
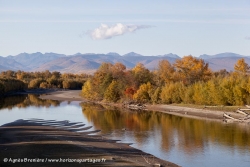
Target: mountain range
x=89, y=62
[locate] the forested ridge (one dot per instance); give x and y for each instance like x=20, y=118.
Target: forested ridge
x=189, y=80
x=19, y=80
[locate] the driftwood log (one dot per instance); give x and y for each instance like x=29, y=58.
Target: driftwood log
x=245, y=109
x=241, y=112
x=248, y=106
x=229, y=118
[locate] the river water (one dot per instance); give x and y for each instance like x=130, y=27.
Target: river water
x=184, y=141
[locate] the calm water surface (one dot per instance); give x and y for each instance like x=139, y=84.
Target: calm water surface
x=184, y=141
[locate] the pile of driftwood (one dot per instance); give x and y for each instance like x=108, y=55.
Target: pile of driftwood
x=246, y=118
x=135, y=106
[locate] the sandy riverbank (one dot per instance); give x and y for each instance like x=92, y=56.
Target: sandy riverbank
x=59, y=140
x=74, y=95
x=67, y=95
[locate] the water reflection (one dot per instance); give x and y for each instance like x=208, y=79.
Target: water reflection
x=185, y=141
x=24, y=101
x=189, y=135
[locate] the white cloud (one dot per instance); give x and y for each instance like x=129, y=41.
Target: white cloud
x=247, y=38
x=107, y=32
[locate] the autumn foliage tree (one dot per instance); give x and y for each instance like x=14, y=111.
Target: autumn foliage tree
x=190, y=69
x=241, y=66
x=107, y=77
x=165, y=71
x=88, y=90
x=172, y=92
x=129, y=92
x=144, y=93
x=141, y=75
x=112, y=93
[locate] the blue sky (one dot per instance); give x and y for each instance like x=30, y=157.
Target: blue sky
x=147, y=27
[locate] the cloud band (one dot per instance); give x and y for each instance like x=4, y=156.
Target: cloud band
x=107, y=32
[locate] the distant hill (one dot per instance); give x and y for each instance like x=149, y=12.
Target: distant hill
x=89, y=62
x=34, y=60
x=223, y=60
x=11, y=64
x=132, y=54
x=221, y=55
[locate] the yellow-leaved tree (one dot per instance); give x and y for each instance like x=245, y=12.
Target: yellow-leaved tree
x=241, y=66
x=165, y=71
x=172, y=93
x=144, y=92
x=112, y=92
x=190, y=70
x=88, y=90
x=141, y=75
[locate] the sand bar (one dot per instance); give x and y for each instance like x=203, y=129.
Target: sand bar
x=59, y=143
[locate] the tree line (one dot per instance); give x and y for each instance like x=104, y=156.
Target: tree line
x=188, y=80
x=20, y=80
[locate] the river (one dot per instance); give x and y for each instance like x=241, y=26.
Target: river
x=184, y=141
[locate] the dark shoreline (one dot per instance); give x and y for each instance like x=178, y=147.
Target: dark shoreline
x=33, y=91
x=38, y=138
